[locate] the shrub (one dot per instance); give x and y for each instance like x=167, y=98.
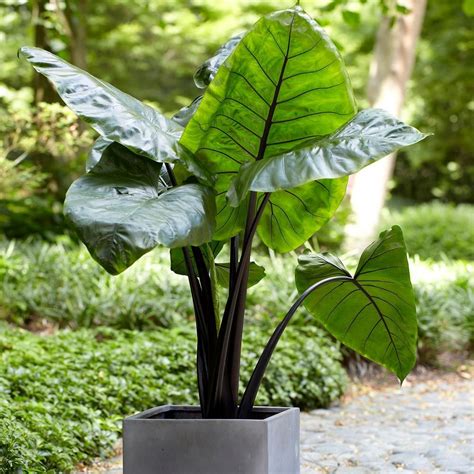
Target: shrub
x=61, y=283
x=436, y=230
x=63, y=396
x=445, y=305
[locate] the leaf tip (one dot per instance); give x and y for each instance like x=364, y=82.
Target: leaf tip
x=22, y=52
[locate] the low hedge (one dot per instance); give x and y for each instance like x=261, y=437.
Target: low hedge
x=63, y=396
x=436, y=231
x=60, y=283
x=444, y=293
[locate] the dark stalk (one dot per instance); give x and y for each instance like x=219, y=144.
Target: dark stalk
x=221, y=397
x=205, y=317
x=233, y=336
x=208, y=310
x=234, y=261
x=235, y=347
x=248, y=399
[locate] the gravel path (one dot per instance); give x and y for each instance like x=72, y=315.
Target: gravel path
x=422, y=428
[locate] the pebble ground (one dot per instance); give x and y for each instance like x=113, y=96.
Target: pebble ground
x=425, y=427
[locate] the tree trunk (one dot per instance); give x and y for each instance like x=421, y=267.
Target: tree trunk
x=390, y=71
x=43, y=90
x=73, y=19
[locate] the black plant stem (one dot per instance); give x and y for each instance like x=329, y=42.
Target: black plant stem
x=206, y=340
x=235, y=347
x=248, y=399
x=234, y=261
x=208, y=310
x=218, y=383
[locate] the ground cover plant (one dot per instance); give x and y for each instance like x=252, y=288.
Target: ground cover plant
x=63, y=396
x=267, y=149
x=58, y=284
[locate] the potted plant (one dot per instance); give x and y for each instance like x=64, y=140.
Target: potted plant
x=266, y=150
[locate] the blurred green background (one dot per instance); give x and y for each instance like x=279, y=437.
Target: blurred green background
x=63, y=320
x=151, y=49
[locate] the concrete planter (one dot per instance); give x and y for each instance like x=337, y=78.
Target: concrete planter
x=176, y=440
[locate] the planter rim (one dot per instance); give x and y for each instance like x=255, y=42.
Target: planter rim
x=276, y=412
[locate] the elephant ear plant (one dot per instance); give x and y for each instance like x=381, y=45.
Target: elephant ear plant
x=266, y=150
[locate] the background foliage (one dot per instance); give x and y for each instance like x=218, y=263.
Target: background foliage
x=162, y=43
x=49, y=418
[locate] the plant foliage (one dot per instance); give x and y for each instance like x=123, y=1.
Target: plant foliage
x=267, y=150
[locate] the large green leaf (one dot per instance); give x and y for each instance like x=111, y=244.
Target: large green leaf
x=284, y=83
x=371, y=135
x=112, y=113
x=292, y=216
x=123, y=208
x=372, y=312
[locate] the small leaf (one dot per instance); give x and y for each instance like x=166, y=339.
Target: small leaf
x=256, y=274
x=184, y=115
x=370, y=136
x=177, y=257
x=123, y=208
x=372, y=312
x=96, y=152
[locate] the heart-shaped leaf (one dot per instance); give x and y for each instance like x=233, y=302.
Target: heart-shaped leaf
x=284, y=83
x=372, y=312
x=112, y=113
x=371, y=135
x=123, y=209
x=291, y=217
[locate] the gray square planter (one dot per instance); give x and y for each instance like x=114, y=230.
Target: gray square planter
x=176, y=440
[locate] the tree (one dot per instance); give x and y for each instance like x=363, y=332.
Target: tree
x=43, y=91
x=391, y=68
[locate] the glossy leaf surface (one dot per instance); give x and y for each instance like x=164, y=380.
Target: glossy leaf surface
x=96, y=152
x=112, y=113
x=184, y=115
x=372, y=312
x=206, y=73
x=292, y=216
x=284, y=83
x=122, y=209
x=371, y=135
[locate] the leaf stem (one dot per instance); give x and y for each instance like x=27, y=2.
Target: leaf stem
x=205, y=316
x=248, y=399
x=225, y=331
